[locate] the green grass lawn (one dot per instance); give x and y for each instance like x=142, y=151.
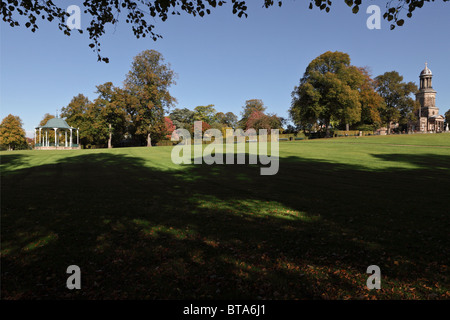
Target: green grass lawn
x=140, y=227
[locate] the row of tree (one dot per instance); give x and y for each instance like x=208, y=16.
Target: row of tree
x=132, y=112
x=138, y=113
x=252, y=116
x=332, y=94
x=335, y=94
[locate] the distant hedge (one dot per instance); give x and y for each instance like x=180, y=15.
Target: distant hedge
x=352, y=133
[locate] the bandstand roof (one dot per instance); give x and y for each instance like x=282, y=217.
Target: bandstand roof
x=56, y=123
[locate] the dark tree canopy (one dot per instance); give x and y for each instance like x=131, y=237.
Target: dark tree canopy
x=141, y=14
x=447, y=117
x=328, y=92
x=398, y=97
x=182, y=118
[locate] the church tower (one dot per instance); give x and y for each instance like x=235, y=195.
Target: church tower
x=426, y=95
x=428, y=114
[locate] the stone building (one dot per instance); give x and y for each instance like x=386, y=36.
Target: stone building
x=428, y=116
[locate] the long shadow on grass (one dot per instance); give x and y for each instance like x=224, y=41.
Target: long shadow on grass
x=224, y=231
x=10, y=161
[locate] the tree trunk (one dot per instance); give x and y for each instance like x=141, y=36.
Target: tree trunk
x=110, y=138
x=327, y=130
x=347, y=127
x=149, y=140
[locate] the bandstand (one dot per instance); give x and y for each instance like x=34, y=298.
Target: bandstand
x=54, y=127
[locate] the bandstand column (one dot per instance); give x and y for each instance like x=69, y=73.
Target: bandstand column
x=71, y=140
x=65, y=142
x=55, y=137
x=78, y=138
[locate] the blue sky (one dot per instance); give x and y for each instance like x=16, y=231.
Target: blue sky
x=221, y=59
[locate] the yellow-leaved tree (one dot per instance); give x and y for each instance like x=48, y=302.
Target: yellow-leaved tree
x=12, y=135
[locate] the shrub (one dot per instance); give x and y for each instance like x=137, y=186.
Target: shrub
x=165, y=143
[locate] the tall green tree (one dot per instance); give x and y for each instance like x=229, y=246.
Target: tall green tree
x=220, y=117
x=148, y=82
x=328, y=91
x=205, y=113
x=219, y=121
x=397, y=95
x=182, y=118
x=447, y=117
x=75, y=114
x=44, y=120
x=75, y=110
x=12, y=134
x=230, y=120
x=112, y=112
x=95, y=133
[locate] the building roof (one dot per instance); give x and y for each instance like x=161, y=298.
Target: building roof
x=426, y=71
x=436, y=116
x=56, y=123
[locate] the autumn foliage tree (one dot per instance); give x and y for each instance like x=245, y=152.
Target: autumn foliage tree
x=44, y=120
x=259, y=120
x=248, y=109
x=205, y=126
x=169, y=127
x=135, y=111
x=75, y=115
x=46, y=117
x=111, y=116
x=372, y=104
x=148, y=83
x=12, y=134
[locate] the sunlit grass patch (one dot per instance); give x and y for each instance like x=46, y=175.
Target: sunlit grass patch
x=41, y=242
x=255, y=208
x=157, y=231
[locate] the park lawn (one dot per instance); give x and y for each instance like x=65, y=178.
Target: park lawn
x=141, y=227
x=410, y=139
